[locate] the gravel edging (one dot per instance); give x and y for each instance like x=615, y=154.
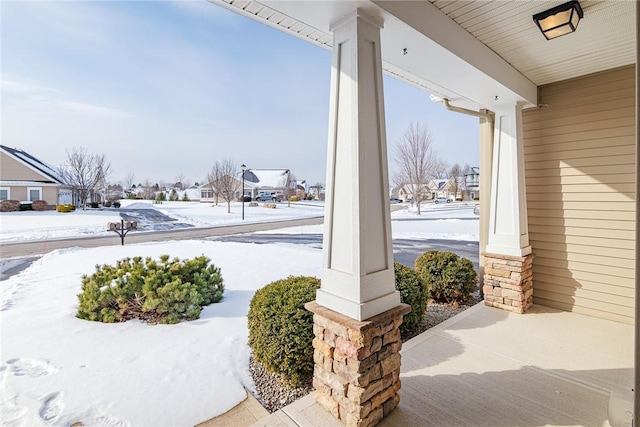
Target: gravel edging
x=274, y=394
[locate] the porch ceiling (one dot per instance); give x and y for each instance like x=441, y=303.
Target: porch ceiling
x=476, y=53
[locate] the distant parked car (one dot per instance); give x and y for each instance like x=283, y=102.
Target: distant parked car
x=269, y=198
x=476, y=209
x=394, y=200
x=441, y=199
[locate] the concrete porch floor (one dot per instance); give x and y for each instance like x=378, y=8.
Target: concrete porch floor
x=488, y=367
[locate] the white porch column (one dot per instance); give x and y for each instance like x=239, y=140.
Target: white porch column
x=508, y=230
x=358, y=275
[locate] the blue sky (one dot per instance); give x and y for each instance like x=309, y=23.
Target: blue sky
x=167, y=88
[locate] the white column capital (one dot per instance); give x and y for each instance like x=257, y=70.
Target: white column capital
x=357, y=14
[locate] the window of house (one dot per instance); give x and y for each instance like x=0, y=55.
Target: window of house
x=5, y=193
x=34, y=193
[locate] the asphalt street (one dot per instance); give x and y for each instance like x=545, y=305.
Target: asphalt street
x=405, y=251
x=15, y=257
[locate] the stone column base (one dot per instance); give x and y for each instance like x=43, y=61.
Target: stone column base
x=357, y=364
x=508, y=282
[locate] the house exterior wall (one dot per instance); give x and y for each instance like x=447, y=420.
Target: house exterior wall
x=20, y=193
x=580, y=176
x=13, y=170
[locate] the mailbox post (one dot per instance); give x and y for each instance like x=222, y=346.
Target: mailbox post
x=123, y=228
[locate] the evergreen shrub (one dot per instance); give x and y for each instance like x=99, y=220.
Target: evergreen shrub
x=164, y=291
x=281, y=329
x=449, y=278
x=185, y=198
x=26, y=206
x=116, y=204
x=413, y=291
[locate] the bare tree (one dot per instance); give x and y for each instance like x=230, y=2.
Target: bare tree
x=84, y=171
x=148, y=191
x=455, y=173
x=225, y=182
x=181, y=182
x=212, y=178
x=286, y=183
x=417, y=161
x=129, y=181
x=463, y=181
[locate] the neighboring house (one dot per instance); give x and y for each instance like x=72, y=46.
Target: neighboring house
x=472, y=183
x=445, y=187
x=406, y=192
x=317, y=191
x=256, y=182
x=24, y=177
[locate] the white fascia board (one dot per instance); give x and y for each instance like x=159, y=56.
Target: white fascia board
x=27, y=184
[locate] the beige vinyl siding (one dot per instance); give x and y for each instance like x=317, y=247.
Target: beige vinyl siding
x=579, y=151
x=49, y=193
x=13, y=170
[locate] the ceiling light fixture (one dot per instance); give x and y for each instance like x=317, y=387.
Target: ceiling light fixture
x=559, y=20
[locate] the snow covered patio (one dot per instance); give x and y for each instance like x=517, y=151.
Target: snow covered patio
x=489, y=367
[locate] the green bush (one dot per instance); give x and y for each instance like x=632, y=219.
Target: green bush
x=65, y=208
x=164, y=291
x=26, y=206
x=449, y=278
x=281, y=329
x=185, y=198
x=161, y=197
x=116, y=204
x=413, y=291
x=476, y=198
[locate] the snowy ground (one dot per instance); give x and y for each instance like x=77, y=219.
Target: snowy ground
x=56, y=369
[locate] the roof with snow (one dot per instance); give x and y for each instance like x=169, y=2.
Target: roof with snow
x=44, y=168
x=262, y=178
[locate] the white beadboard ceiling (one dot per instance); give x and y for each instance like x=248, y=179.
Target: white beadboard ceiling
x=474, y=52
x=605, y=37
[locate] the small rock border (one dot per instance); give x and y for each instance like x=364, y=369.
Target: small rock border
x=274, y=394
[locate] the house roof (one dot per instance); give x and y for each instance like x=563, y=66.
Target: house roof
x=262, y=178
x=33, y=162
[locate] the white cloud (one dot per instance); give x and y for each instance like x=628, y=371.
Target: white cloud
x=32, y=98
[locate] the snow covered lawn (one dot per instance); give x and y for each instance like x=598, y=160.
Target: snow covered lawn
x=57, y=369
